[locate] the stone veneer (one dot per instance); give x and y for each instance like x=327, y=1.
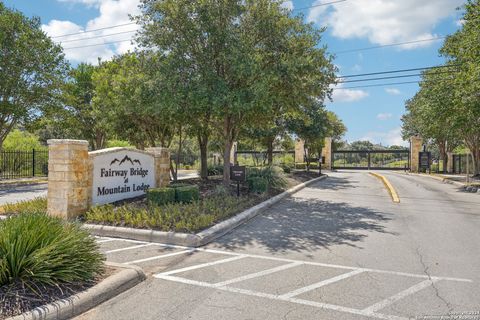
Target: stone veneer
x=162, y=166
x=70, y=176
x=327, y=153
x=416, y=144
x=69, y=180
x=299, y=151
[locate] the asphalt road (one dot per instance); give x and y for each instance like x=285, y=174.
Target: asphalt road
x=340, y=249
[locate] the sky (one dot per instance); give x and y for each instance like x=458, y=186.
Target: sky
x=370, y=113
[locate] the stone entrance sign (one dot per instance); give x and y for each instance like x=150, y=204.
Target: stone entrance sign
x=121, y=174
x=78, y=179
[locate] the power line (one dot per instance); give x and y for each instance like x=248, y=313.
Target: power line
x=396, y=71
x=98, y=44
x=390, y=45
x=319, y=5
x=393, y=77
x=92, y=30
x=100, y=36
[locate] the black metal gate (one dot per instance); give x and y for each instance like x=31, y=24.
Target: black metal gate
x=371, y=159
x=23, y=164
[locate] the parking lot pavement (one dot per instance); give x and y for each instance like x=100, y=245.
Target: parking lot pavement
x=322, y=288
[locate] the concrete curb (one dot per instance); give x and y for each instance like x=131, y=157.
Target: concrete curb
x=444, y=180
x=201, y=238
x=112, y=286
x=391, y=190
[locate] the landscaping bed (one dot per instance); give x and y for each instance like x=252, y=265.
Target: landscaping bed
x=44, y=259
x=216, y=203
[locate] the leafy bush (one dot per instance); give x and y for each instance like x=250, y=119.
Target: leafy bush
x=286, y=169
x=301, y=166
x=180, y=217
x=215, y=170
x=187, y=193
x=178, y=185
x=221, y=191
x=118, y=143
x=257, y=184
x=38, y=250
x=37, y=205
x=161, y=195
x=273, y=175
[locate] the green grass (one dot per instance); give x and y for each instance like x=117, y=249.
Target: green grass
x=180, y=217
x=37, y=250
x=37, y=205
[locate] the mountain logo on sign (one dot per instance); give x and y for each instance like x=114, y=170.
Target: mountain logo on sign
x=126, y=158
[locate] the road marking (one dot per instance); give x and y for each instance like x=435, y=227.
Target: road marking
x=160, y=257
x=321, y=284
x=319, y=305
x=319, y=264
x=388, y=185
x=258, y=274
x=203, y=265
x=388, y=301
x=129, y=248
x=105, y=240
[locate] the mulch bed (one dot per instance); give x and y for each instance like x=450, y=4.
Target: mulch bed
x=17, y=298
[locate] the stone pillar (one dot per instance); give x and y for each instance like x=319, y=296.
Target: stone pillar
x=299, y=151
x=162, y=166
x=449, y=162
x=69, y=180
x=327, y=153
x=233, y=153
x=416, y=143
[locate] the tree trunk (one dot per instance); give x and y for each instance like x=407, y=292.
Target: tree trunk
x=228, y=137
x=270, y=152
x=443, y=155
x=203, y=144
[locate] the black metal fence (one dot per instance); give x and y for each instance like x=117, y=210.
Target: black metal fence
x=460, y=163
x=23, y=164
x=371, y=159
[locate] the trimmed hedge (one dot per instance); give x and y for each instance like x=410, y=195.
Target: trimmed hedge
x=257, y=184
x=187, y=193
x=161, y=195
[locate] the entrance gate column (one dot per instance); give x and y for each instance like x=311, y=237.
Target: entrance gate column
x=416, y=143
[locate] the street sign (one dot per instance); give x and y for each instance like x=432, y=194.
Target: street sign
x=237, y=173
x=424, y=160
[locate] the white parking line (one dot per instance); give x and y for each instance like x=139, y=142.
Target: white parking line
x=129, y=248
x=203, y=265
x=320, y=305
x=321, y=284
x=258, y=274
x=160, y=257
x=105, y=240
x=388, y=301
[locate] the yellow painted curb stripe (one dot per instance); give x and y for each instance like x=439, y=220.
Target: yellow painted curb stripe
x=388, y=185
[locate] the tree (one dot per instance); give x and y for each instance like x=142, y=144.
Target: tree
x=32, y=69
x=337, y=129
x=222, y=51
x=463, y=50
x=429, y=112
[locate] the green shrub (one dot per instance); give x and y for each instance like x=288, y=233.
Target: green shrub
x=286, y=169
x=180, y=217
x=161, y=195
x=178, y=185
x=187, y=193
x=301, y=166
x=257, y=184
x=273, y=175
x=37, y=249
x=215, y=170
x=37, y=205
x=188, y=167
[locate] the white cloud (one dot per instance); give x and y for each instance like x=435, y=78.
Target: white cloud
x=460, y=23
x=288, y=5
x=384, y=21
x=393, y=91
x=356, y=67
x=384, y=116
x=347, y=95
x=391, y=137
x=111, y=13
